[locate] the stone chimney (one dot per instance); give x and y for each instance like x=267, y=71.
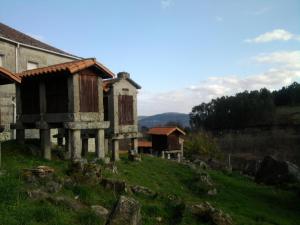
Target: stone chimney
x=123, y=75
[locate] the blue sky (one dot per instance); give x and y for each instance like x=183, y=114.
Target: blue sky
x=182, y=52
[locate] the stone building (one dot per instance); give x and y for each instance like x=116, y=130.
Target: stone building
x=46, y=89
x=120, y=108
x=20, y=52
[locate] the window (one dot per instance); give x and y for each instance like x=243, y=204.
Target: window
x=125, y=110
x=1, y=60
x=32, y=65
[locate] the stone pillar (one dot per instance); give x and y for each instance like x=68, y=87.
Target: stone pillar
x=178, y=157
x=85, y=146
x=99, y=144
x=20, y=136
x=60, y=137
x=134, y=145
x=45, y=143
x=75, y=144
x=168, y=155
x=115, y=150
x=106, y=146
x=67, y=144
x=163, y=154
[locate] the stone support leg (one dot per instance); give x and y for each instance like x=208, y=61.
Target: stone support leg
x=134, y=145
x=106, y=146
x=75, y=144
x=45, y=143
x=67, y=144
x=115, y=150
x=20, y=135
x=99, y=144
x=85, y=147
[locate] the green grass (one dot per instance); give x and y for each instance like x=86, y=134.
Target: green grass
x=246, y=202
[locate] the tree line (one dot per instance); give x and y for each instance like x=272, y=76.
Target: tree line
x=244, y=109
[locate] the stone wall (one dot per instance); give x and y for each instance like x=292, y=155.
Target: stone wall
x=7, y=92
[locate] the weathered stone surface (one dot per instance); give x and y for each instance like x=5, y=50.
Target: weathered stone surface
x=83, y=172
x=37, y=194
x=203, y=184
x=132, y=156
x=274, y=171
x=142, y=190
x=207, y=213
x=118, y=186
x=68, y=202
x=53, y=187
x=43, y=177
x=39, y=176
x=38, y=172
x=111, y=166
x=201, y=164
x=100, y=211
x=126, y=212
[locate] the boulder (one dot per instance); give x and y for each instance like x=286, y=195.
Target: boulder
x=83, y=172
x=274, y=172
x=68, y=202
x=203, y=184
x=31, y=175
x=100, y=211
x=132, y=156
x=207, y=213
x=142, y=190
x=53, y=187
x=126, y=212
x=37, y=194
x=111, y=166
x=117, y=186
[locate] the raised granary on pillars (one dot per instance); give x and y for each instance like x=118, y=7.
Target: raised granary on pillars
x=120, y=108
x=68, y=96
x=167, y=141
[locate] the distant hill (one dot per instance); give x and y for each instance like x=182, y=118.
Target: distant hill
x=162, y=119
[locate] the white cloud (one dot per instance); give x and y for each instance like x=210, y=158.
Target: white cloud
x=287, y=59
x=285, y=70
x=166, y=3
x=275, y=35
x=182, y=100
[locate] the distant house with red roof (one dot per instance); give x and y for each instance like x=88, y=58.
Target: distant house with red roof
x=167, y=140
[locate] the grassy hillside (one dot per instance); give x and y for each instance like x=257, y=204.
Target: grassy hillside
x=246, y=202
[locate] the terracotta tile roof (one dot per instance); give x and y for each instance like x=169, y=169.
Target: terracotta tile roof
x=164, y=131
x=17, y=36
x=144, y=144
x=108, y=83
x=7, y=77
x=71, y=67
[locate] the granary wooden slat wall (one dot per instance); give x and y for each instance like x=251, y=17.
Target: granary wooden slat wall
x=88, y=93
x=125, y=103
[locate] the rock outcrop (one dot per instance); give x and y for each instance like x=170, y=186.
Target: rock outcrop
x=273, y=172
x=126, y=212
x=207, y=213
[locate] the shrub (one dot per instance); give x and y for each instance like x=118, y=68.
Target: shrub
x=201, y=144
